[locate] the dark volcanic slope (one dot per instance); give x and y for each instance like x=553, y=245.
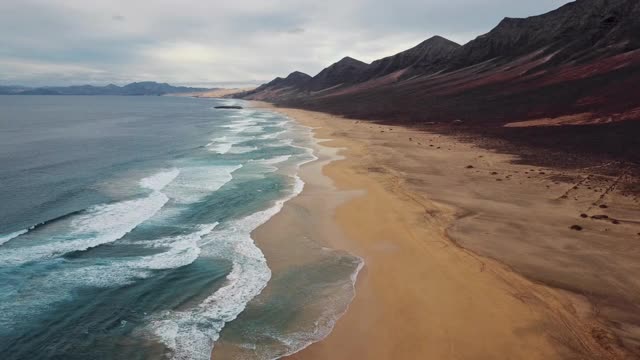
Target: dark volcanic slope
x=431, y=55
x=580, y=30
x=578, y=65
x=280, y=87
x=296, y=78
x=346, y=71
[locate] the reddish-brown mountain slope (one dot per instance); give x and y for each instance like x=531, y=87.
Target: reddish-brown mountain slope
x=583, y=58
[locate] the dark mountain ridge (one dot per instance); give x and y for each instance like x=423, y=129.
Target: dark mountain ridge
x=583, y=57
x=296, y=79
x=292, y=83
x=578, y=31
x=345, y=71
x=432, y=54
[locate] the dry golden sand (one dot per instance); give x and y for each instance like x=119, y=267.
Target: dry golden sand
x=422, y=295
x=429, y=215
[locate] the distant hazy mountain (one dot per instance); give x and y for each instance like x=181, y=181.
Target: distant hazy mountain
x=137, y=88
x=12, y=89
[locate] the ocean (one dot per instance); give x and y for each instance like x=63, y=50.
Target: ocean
x=125, y=231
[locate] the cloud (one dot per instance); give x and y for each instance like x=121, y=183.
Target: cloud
x=200, y=41
x=295, y=31
x=17, y=70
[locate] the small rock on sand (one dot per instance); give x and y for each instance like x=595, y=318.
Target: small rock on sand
x=576, y=227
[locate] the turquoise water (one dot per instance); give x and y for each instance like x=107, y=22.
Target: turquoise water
x=125, y=230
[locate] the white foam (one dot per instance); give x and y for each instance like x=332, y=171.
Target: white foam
x=255, y=129
x=272, y=135
x=282, y=142
x=160, y=180
x=249, y=126
x=100, y=224
x=236, y=124
x=227, y=144
x=197, y=182
x=221, y=148
x=242, y=149
x=286, y=123
x=182, y=251
x=275, y=160
x=190, y=334
x=13, y=235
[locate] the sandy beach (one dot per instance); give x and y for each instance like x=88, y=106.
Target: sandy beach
x=460, y=246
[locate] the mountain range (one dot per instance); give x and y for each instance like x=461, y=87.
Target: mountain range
x=577, y=65
x=147, y=88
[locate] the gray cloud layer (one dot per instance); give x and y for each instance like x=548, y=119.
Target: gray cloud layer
x=200, y=42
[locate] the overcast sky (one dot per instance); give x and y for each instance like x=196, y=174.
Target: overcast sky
x=215, y=42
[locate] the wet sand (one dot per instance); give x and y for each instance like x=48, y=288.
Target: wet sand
x=468, y=255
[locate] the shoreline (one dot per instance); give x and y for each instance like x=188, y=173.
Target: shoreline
x=292, y=242
x=518, y=317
